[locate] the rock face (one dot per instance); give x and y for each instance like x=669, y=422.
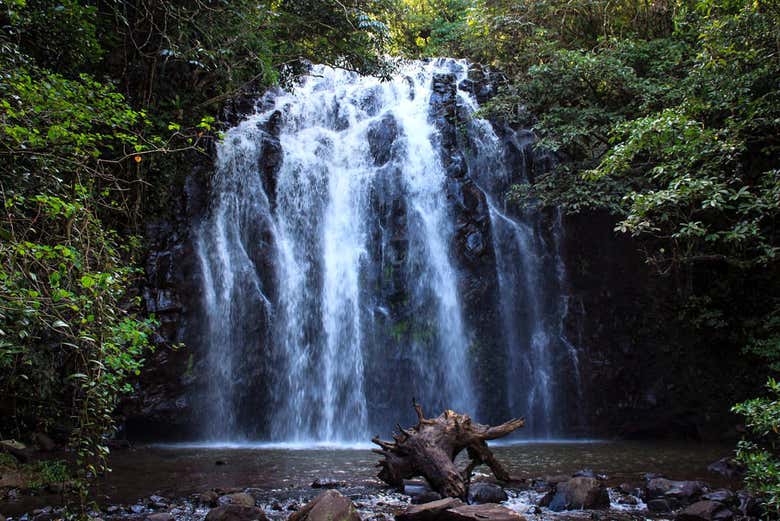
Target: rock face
x=331, y=505
x=236, y=513
x=579, y=493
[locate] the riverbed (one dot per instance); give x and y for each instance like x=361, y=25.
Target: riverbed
x=281, y=475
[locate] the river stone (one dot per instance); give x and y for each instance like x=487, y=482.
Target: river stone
x=330, y=505
x=241, y=499
x=705, y=511
x=160, y=516
x=579, y=493
x=327, y=483
x=722, y=495
x=236, y=513
x=489, y=511
x=677, y=493
x=480, y=493
x=428, y=511
x=210, y=498
x=748, y=505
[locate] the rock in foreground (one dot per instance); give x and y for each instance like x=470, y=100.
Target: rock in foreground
x=489, y=511
x=706, y=511
x=236, y=513
x=451, y=509
x=480, y=493
x=429, y=511
x=331, y=505
x=579, y=493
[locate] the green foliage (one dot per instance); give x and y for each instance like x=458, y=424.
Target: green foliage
x=48, y=472
x=67, y=340
x=428, y=28
x=675, y=133
x=760, y=456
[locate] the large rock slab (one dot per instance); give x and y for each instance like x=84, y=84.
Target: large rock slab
x=429, y=511
x=488, y=511
x=331, y=505
x=236, y=513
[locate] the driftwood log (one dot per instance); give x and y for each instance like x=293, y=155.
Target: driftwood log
x=429, y=449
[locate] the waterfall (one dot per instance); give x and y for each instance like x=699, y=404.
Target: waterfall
x=342, y=264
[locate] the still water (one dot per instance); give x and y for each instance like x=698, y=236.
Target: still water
x=178, y=471
x=281, y=476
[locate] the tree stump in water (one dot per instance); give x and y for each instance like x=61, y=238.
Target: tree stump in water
x=429, y=450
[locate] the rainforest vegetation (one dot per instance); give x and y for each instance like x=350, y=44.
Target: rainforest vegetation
x=664, y=114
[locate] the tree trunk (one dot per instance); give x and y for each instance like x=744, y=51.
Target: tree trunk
x=429, y=450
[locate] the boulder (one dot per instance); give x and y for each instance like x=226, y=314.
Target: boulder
x=579, y=493
x=241, y=499
x=420, y=491
x=656, y=487
x=706, y=511
x=210, y=498
x=722, y=495
x=428, y=511
x=484, y=512
x=236, y=513
x=677, y=493
x=480, y=493
x=330, y=505
x=686, y=492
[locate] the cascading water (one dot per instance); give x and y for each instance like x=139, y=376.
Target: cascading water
x=334, y=285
